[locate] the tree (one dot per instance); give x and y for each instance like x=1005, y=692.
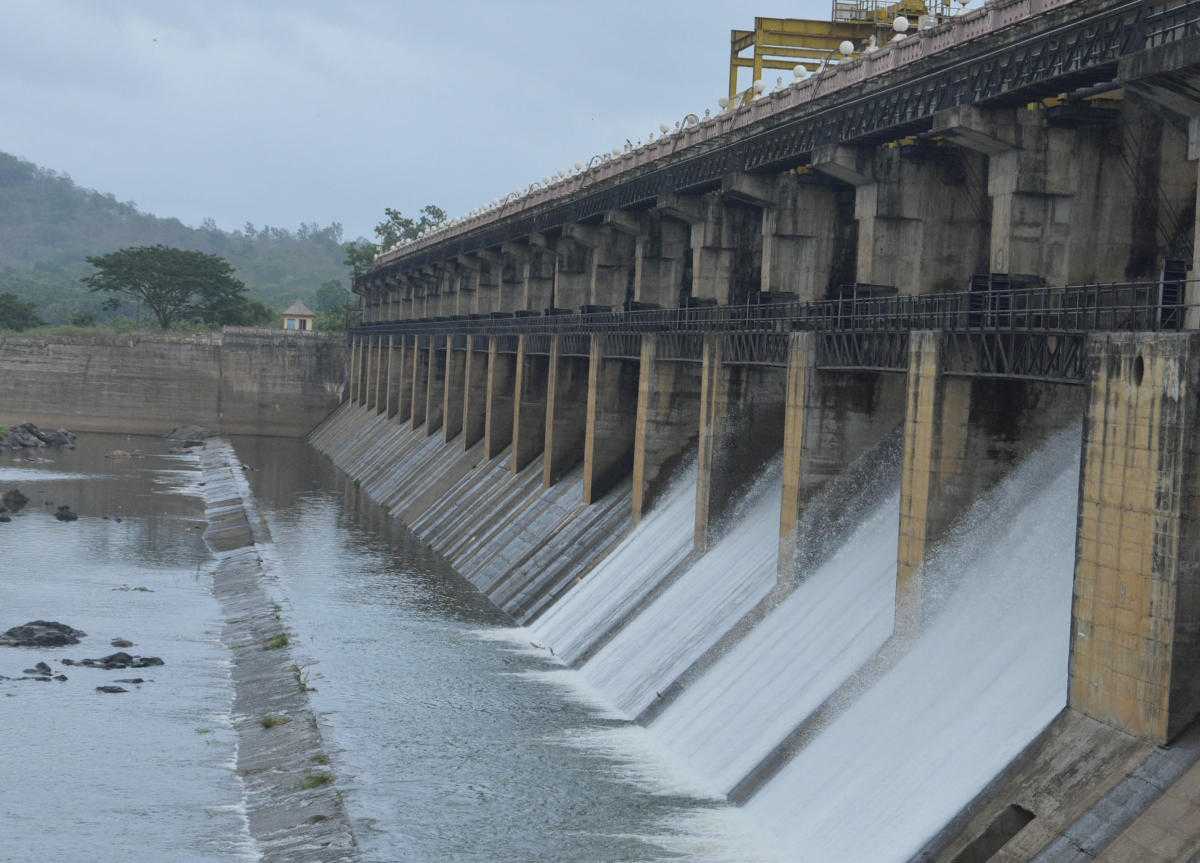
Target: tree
x=17, y=315
x=331, y=297
x=175, y=284
x=397, y=226
x=360, y=255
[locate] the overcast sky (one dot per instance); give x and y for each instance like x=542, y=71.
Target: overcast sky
x=282, y=111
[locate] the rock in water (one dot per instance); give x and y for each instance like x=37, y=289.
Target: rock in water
x=14, y=500
x=29, y=436
x=121, y=643
x=40, y=668
x=117, y=661
x=111, y=690
x=64, y=514
x=59, y=438
x=41, y=633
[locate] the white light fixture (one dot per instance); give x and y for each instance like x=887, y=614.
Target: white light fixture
x=758, y=86
x=846, y=48
x=900, y=25
x=800, y=72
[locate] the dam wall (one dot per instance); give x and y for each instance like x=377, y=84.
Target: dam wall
x=651, y=610
x=845, y=440
x=238, y=381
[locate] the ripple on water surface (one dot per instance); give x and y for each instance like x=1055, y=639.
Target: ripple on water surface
x=451, y=747
x=141, y=776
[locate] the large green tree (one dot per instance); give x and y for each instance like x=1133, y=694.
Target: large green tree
x=396, y=226
x=177, y=285
x=17, y=315
x=360, y=253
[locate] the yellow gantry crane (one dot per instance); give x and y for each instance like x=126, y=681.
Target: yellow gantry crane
x=784, y=43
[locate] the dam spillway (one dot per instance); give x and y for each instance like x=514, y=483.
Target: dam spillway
x=841, y=442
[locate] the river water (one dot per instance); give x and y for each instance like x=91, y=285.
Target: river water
x=146, y=775
x=446, y=744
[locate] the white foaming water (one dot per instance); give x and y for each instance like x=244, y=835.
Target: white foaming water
x=656, y=546
x=985, y=677
x=756, y=694
x=692, y=615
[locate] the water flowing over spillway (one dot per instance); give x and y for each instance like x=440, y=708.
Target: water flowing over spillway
x=691, y=615
x=601, y=601
x=988, y=673
x=887, y=739
x=728, y=720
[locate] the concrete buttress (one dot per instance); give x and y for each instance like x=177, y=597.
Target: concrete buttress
x=566, y=412
x=611, y=420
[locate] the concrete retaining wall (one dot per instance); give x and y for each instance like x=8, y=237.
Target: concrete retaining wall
x=238, y=381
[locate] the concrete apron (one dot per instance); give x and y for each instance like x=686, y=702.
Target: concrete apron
x=288, y=821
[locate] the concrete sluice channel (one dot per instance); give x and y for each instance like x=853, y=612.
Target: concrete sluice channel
x=840, y=737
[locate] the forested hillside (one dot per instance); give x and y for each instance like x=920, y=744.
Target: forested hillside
x=49, y=225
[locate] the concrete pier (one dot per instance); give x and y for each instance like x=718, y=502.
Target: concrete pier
x=611, y=420
x=741, y=429
x=501, y=381
x=395, y=365
x=475, y=384
x=831, y=419
x=420, y=380
x=961, y=435
x=668, y=418
x=355, y=359
x=436, y=387
x=1135, y=629
x=404, y=372
x=529, y=407
x=566, y=412
x=454, y=395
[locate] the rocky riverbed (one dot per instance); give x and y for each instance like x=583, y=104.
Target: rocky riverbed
x=113, y=678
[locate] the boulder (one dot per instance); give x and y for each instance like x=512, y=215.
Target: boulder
x=40, y=668
x=41, y=633
x=59, y=438
x=116, y=661
x=29, y=436
x=121, y=643
x=13, y=500
x=111, y=690
x=64, y=514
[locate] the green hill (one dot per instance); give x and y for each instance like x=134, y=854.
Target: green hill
x=49, y=225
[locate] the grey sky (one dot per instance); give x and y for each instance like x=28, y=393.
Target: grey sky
x=281, y=111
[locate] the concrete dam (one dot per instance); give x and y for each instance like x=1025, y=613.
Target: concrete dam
x=845, y=442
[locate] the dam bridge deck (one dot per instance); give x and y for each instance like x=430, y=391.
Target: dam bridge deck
x=1042, y=58
x=1023, y=333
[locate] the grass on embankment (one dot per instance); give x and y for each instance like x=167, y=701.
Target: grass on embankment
x=316, y=780
x=277, y=642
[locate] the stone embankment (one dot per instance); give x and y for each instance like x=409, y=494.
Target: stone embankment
x=293, y=807
x=233, y=382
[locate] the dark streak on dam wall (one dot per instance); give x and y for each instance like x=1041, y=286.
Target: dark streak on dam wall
x=239, y=381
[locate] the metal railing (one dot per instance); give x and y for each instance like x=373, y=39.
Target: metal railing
x=1150, y=305
x=1171, y=22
